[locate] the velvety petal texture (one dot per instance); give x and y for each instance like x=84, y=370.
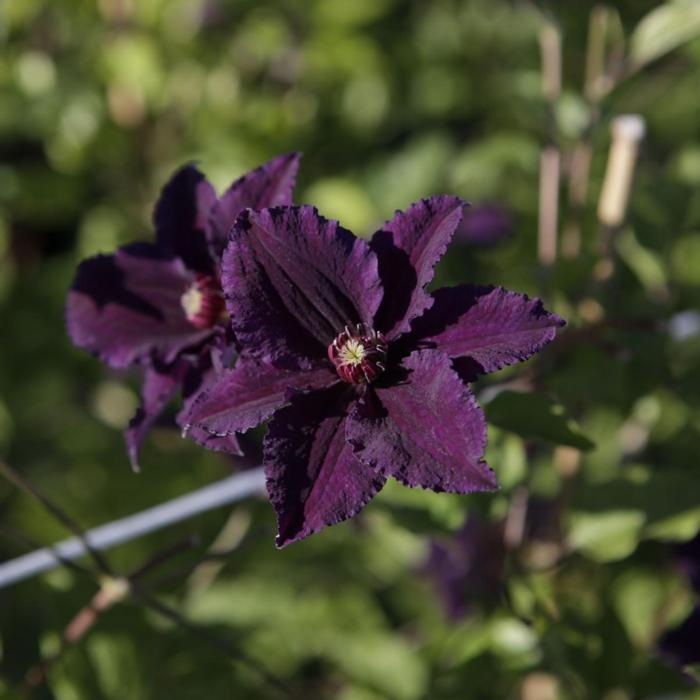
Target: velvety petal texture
x=229, y=443
x=425, y=431
x=313, y=478
x=248, y=394
x=127, y=306
x=490, y=325
x=181, y=215
x=270, y=185
x=293, y=280
x=408, y=247
x=159, y=388
x=161, y=304
x=295, y=284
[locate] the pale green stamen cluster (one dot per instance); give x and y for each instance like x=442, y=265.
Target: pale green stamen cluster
x=191, y=301
x=352, y=353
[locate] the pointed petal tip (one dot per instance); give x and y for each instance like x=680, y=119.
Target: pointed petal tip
x=488, y=325
x=132, y=448
x=293, y=155
x=490, y=479
x=409, y=247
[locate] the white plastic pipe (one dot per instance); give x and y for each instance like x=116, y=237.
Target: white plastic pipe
x=234, y=488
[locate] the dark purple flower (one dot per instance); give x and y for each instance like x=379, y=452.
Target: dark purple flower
x=161, y=304
x=484, y=225
x=689, y=559
x=468, y=566
x=681, y=645
x=352, y=358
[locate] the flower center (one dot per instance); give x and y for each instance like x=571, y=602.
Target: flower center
x=203, y=302
x=359, y=354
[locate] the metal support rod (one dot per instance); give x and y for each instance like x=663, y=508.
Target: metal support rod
x=221, y=493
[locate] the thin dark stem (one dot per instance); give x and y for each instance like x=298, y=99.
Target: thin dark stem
x=224, y=492
x=14, y=477
x=164, y=555
x=224, y=645
x=28, y=542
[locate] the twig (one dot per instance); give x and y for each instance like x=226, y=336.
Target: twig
x=221, y=548
x=111, y=592
x=550, y=160
x=229, y=490
x=223, y=644
x=627, y=133
x=604, y=55
x=24, y=541
x=165, y=555
x=14, y=477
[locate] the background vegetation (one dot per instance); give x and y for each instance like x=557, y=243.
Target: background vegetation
x=390, y=100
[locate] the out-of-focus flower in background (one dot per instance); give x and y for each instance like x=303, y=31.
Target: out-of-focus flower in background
x=485, y=225
x=160, y=305
x=467, y=568
x=681, y=645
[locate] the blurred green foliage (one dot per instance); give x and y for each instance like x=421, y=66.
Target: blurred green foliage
x=390, y=100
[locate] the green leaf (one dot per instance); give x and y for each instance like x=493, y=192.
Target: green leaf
x=645, y=264
x=422, y=511
x=536, y=416
x=606, y=536
x=685, y=259
x=638, y=596
x=667, y=498
x=385, y=663
x=663, y=30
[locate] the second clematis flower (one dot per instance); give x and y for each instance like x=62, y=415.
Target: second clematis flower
x=361, y=370
x=160, y=305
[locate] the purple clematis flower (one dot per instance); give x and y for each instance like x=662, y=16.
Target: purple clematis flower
x=485, y=225
x=468, y=566
x=160, y=304
x=360, y=368
x=679, y=646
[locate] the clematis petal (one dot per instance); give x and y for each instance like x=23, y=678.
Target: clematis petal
x=270, y=185
x=293, y=280
x=468, y=566
x=489, y=327
x=203, y=374
x=230, y=444
x=127, y=306
x=245, y=396
x=159, y=387
x=408, y=247
x=484, y=226
x=427, y=431
x=313, y=479
x=180, y=218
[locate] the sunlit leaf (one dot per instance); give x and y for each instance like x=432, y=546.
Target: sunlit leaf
x=606, y=536
x=536, y=416
x=664, y=29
